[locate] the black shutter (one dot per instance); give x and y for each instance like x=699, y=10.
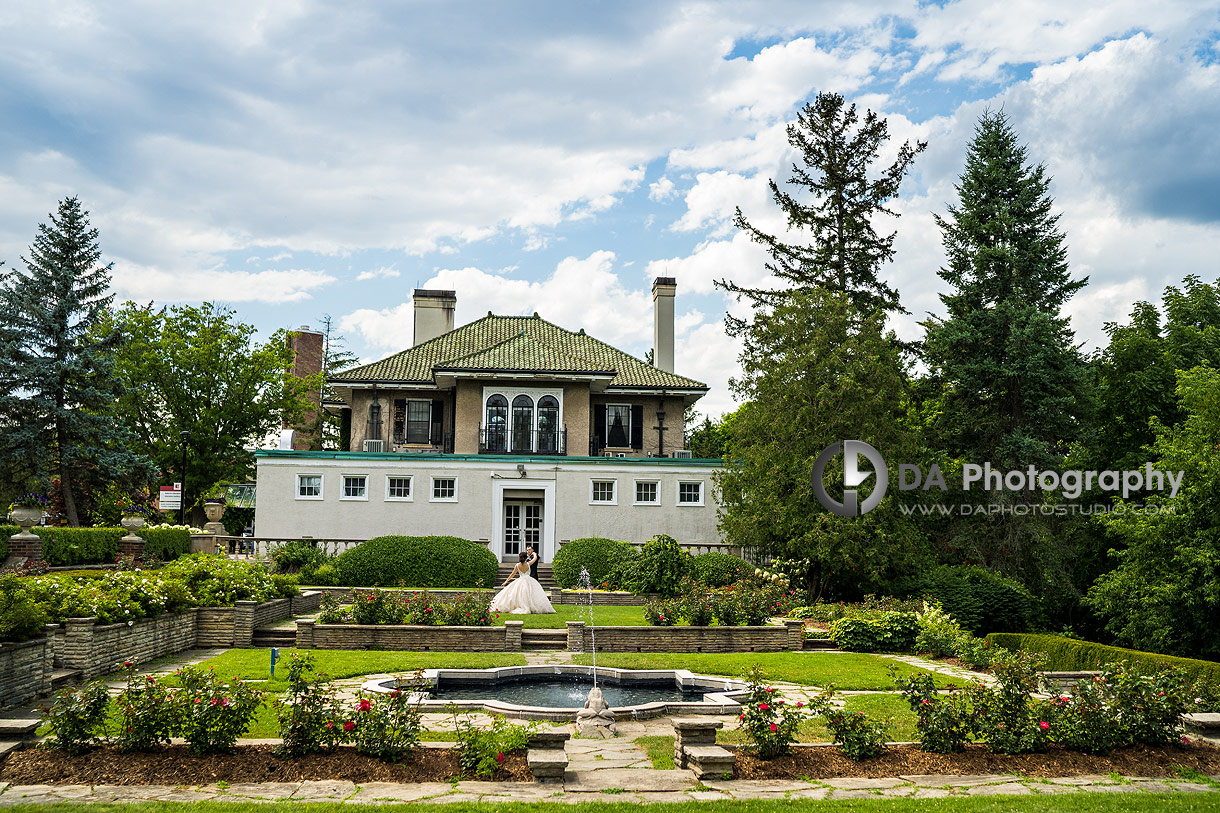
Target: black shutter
x=438, y=422
x=637, y=427
x=345, y=430
x=599, y=428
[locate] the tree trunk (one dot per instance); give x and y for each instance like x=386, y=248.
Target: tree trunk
x=65, y=481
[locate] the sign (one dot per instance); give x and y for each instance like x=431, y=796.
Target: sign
x=170, y=498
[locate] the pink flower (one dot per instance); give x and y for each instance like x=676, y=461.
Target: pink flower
x=349, y=725
x=330, y=724
x=499, y=757
x=1186, y=740
x=196, y=700
x=769, y=689
x=923, y=702
x=127, y=663
x=1160, y=694
x=214, y=701
x=1044, y=725
x=224, y=702
x=779, y=702
x=800, y=705
x=1096, y=678
x=774, y=727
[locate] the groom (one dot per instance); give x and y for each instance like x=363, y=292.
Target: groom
x=533, y=560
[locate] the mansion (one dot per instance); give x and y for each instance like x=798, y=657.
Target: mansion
x=508, y=430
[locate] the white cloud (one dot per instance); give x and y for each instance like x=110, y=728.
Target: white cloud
x=379, y=273
x=143, y=284
x=661, y=190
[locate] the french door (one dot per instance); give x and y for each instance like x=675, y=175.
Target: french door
x=522, y=526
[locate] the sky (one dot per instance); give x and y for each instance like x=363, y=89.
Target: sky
x=294, y=159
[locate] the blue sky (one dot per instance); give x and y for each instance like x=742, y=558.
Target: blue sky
x=292, y=158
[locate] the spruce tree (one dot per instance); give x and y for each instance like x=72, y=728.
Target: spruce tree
x=57, y=383
x=835, y=197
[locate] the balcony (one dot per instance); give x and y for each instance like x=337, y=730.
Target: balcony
x=442, y=444
x=535, y=442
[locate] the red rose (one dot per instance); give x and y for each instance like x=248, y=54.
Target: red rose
x=1044, y=725
x=499, y=757
x=774, y=727
x=763, y=707
x=365, y=705
x=349, y=725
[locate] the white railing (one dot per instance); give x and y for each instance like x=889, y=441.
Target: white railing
x=263, y=545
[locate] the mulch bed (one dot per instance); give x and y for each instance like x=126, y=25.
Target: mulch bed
x=176, y=766
x=906, y=760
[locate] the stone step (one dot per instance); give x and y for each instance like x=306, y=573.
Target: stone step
x=819, y=643
x=64, y=677
x=711, y=761
x=18, y=728
x=544, y=639
x=278, y=637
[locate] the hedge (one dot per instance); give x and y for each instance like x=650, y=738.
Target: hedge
x=1071, y=655
x=982, y=600
x=718, y=569
x=417, y=561
x=595, y=554
x=82, y=546
x=882, y=632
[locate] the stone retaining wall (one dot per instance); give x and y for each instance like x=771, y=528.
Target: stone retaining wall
x=686, y=639
x=408, y=637
x=25, y=670
x=95, y=648
x=556, y=595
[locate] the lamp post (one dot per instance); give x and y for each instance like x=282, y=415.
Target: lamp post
x=183, y=435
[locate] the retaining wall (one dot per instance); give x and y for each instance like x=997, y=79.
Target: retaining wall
x=556, y=595
x=25, y=670
x=686, y=639
x=407, y=637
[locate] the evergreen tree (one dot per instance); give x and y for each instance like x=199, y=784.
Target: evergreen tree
x=336, y=358
x=1013, y=385
x=57, y=383
x=845, y=253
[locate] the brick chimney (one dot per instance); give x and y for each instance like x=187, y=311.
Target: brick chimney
x=306, y=346
x=663, y=291
x=433, y=313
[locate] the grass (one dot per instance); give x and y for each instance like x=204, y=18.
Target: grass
x=609, y=616
x=848, y=671
x=660, y=749
x=255, y=664
x=1067, y=803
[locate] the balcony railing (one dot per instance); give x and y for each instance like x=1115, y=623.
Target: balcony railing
x=539, y=441
x=442, y=444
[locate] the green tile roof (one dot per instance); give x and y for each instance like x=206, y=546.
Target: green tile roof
x=517, y=344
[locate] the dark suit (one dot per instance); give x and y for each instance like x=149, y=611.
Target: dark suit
x=534, y=567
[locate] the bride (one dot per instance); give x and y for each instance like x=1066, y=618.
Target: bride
x=523, y=596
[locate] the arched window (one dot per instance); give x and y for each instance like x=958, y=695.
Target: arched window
x=496, y=433
x=548, y=425
x=523, y=424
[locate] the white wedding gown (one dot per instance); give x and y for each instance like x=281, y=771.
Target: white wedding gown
x=523, y=596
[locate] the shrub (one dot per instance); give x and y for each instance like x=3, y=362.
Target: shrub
x=768, y=720
x=325, y=575
x=982, y=600
x=858, y=735
x=297, y=556
x=595, y=554
x=165, y=544
x=660, y=568
x=334, y=611
x=758, y=603
x=417, y=561
x=696, y=604
x=661, y=612
x=213, y=713
x=1006, y=716
x=1150, y=707
x=21, y=617
x=386, y=725
x=216, y=581
x=726, y=608
x=375, y=607
x=468, y=610
x=886, y=632
x=144, y=712
x=309, y=713
x=944, y=720
x=420, y=607
x=1068, y=655
x=718, y=569
x=1084, y=720
x=72, y=546
x=76, y=715
x=938, y=632
x=481, y=750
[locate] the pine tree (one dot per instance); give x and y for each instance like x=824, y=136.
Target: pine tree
x=57, y=388
x=845, y=253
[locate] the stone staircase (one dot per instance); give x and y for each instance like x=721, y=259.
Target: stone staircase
x=280, y=637
x=545, y=577
x=544, y=639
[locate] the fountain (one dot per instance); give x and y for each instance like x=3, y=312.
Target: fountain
x=596, y=719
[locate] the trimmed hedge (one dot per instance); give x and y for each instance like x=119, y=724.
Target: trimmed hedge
x=416, y=561
x=718, y=569
x=596, y=554
x=1071, y=655
x=982, y=600
x=91, y=546
x=883, y=632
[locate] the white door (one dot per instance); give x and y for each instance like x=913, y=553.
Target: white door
x=512, y=528
x=533, y=525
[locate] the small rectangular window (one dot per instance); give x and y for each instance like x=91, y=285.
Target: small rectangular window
x=618, y=425
x=690, y=493
x=444, y=488
x=419, y=421
x=309, y=486
x=603, y=492
x=355, y=487
x=646, y=493
x=398, y=488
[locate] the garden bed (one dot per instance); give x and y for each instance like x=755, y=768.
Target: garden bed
x=827, y=762
x=251, y=763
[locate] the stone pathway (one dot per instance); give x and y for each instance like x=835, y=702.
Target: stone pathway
x=964, y=675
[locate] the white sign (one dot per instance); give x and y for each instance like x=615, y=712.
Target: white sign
x=170, y=498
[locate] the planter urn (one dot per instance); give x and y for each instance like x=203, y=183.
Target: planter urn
x=215, y=511
x=25, y=546
x=132, y=545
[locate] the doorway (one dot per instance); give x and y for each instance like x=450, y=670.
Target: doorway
x=522, y=526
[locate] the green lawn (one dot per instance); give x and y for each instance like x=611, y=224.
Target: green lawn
x=1068, y=803
x=843, y=670
x=602, y=617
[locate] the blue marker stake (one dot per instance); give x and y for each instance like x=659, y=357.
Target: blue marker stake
x=275, y=653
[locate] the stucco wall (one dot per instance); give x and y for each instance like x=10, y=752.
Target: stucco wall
x=363, y=399
x=674, y=410
x=280, y=514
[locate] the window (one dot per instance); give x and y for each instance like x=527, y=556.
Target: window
x=355, y=487
x=444, y=488
x=690, y=493
x=618, y=425
x=398, y=488
x=419, y=421
x=602, y=491
x=523, y=424
x=646, y=492
x=309, y=486
x=496, y=432
x=548, y=425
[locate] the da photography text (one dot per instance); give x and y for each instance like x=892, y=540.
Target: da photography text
x=1069, y=484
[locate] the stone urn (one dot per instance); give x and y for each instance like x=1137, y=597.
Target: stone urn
x=24, y=546
x=132, y=522
x=26, y=517
x=215, y=512
x=132, y=545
